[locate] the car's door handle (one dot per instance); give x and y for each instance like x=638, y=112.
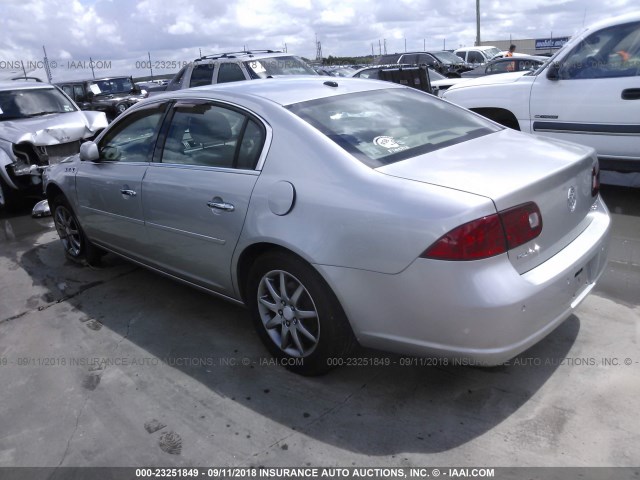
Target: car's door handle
x=220, y=205
x=129, y=193
x=631, y=94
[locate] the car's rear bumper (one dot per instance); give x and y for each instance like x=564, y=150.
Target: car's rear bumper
x=480, y=311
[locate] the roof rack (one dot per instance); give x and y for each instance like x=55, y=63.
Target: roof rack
x=216, y=56
x=35, y=79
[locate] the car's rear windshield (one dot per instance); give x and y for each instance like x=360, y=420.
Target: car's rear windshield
x=274, y=66
x=447, y=57
x=381, y=127
x=111, y=85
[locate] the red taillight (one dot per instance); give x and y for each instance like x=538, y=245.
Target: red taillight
x=521, y=224
x=489, y=236
x=481, y=238
x=595, y=181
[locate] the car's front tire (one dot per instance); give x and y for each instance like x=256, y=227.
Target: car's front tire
x=296, y=315
x=77, y=246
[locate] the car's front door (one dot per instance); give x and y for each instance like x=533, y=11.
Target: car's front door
x=197, y=194
x=594, y=98
x=110, y=189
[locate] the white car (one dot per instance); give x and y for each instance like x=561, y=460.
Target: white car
x=589, y=93
x=477, y=55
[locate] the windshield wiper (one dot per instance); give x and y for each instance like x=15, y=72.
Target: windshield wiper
x=39, y=114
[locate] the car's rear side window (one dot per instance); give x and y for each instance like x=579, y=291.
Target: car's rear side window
x=202, y=74
x=381, y=127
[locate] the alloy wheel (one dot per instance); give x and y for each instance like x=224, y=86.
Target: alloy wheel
x=288, y=313
x=68, y=230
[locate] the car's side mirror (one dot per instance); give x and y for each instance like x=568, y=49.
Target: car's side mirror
x=89, y=152
x=553, y=72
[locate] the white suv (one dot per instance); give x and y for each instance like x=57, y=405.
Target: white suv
x=588, y=93
x=477, y=55
x=236, y=66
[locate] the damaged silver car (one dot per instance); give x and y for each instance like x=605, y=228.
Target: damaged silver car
x=39, y=126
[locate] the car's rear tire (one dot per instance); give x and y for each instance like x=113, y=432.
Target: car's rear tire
x=296, y=315
x=77, y=246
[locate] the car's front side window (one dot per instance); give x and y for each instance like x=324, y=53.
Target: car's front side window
x=132, y=138
x=206, y=134
x=476, y=57
x=611, y=52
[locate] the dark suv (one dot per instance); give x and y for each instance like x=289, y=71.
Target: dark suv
x=445, y=63
x=111, y=95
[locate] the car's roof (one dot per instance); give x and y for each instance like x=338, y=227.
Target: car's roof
x=256, y=55
x=19, y=85
x=284, y=91
x=479, y=47
x=92, y=79
x=520, y=59
x=628, y=17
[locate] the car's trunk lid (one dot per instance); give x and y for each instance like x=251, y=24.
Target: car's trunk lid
x=512, y=169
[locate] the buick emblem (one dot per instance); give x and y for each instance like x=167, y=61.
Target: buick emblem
x=572, y=199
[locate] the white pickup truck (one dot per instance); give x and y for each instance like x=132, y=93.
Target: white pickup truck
x=588, y=93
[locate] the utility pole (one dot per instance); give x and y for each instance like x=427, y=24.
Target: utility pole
x=385, y=45
x=318, y=49
x=379, y=47
x=46, y=65
x=93, y=74
x=151, y=66
x=477, y=23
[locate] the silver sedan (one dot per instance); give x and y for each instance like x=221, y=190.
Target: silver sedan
x=344, y=211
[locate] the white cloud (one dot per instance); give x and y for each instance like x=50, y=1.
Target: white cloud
x=123, y=31
x=181, y=27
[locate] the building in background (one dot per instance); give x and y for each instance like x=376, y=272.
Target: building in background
x=530, y=46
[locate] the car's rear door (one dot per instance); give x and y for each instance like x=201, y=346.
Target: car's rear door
x=596, y=98
x=109, y=190
x=197, y=193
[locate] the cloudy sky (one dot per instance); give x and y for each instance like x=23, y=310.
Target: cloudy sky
x=122, y=32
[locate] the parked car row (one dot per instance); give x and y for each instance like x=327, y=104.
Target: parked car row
x=111, y=95
x=443, y=62
x=505, y=65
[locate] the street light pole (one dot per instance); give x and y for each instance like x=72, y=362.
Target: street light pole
x=477, y=23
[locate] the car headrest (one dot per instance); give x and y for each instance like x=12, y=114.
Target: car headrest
x=210, y=127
